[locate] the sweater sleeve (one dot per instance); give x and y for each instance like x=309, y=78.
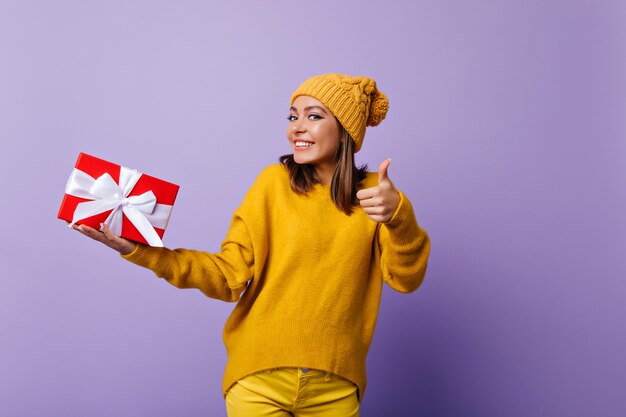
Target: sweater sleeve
x=222, y=275
x=404, y=248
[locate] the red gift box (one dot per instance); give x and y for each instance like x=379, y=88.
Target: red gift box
x=135, y=206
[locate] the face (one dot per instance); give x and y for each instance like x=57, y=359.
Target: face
x=313, y=133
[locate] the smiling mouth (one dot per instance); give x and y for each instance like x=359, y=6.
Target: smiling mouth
x=300, y=145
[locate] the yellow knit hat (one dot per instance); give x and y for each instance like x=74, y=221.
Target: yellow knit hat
x=355, y=101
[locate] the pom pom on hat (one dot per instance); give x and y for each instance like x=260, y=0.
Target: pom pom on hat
x=378, y=109
x=354, y=101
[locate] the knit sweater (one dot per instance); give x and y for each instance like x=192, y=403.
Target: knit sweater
x=307, y=278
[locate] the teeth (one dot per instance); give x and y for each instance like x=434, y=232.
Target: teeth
x=303, y=144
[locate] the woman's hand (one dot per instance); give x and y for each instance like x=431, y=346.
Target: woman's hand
x=123, y=246
x=382, y=201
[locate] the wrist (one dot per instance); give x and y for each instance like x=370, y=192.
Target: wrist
x=127, y=249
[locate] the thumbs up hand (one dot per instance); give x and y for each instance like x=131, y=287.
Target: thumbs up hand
x=380, y=202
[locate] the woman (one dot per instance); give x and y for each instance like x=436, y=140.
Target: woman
x=305, y=257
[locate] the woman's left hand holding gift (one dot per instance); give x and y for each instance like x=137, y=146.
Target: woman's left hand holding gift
x=107, y=237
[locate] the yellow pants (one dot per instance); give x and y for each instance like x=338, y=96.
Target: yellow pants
x=298, y=392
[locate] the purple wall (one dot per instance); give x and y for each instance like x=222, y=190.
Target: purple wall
x=506, y=129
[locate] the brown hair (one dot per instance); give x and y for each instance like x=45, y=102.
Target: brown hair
x=346, y=178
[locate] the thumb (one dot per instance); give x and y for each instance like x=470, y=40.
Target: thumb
x=382, y=171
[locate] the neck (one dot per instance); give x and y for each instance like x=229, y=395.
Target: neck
x=325, y=173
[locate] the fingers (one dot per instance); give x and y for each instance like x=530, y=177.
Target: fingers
x=379, y=210
x=108, y=233
x=382, y=171
x=105, y=236
x=376, y=194
x=377, y=204
x=374, y=210
x=366, y=193
x=377, y=213
x=87, y=231
x=372, y=202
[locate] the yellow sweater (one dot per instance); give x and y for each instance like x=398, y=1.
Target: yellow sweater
x=307, y=278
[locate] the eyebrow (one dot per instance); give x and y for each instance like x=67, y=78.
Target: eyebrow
x=309, y=108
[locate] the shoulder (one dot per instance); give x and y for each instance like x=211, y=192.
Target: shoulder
x=272, y=173
x=269, y=177
x=274, y=169
x=263, y=189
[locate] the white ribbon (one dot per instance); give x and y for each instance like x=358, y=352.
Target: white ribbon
x=142, y=210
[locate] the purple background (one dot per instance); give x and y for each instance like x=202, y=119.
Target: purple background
x=507, y=132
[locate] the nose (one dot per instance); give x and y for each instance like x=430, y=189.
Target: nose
x=298, y=126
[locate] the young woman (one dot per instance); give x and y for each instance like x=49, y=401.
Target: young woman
x=305, y=258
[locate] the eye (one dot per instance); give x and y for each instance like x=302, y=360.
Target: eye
x=292, y=118
x=315, y=116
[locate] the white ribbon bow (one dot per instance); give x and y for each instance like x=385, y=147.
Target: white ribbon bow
x=142, y=210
